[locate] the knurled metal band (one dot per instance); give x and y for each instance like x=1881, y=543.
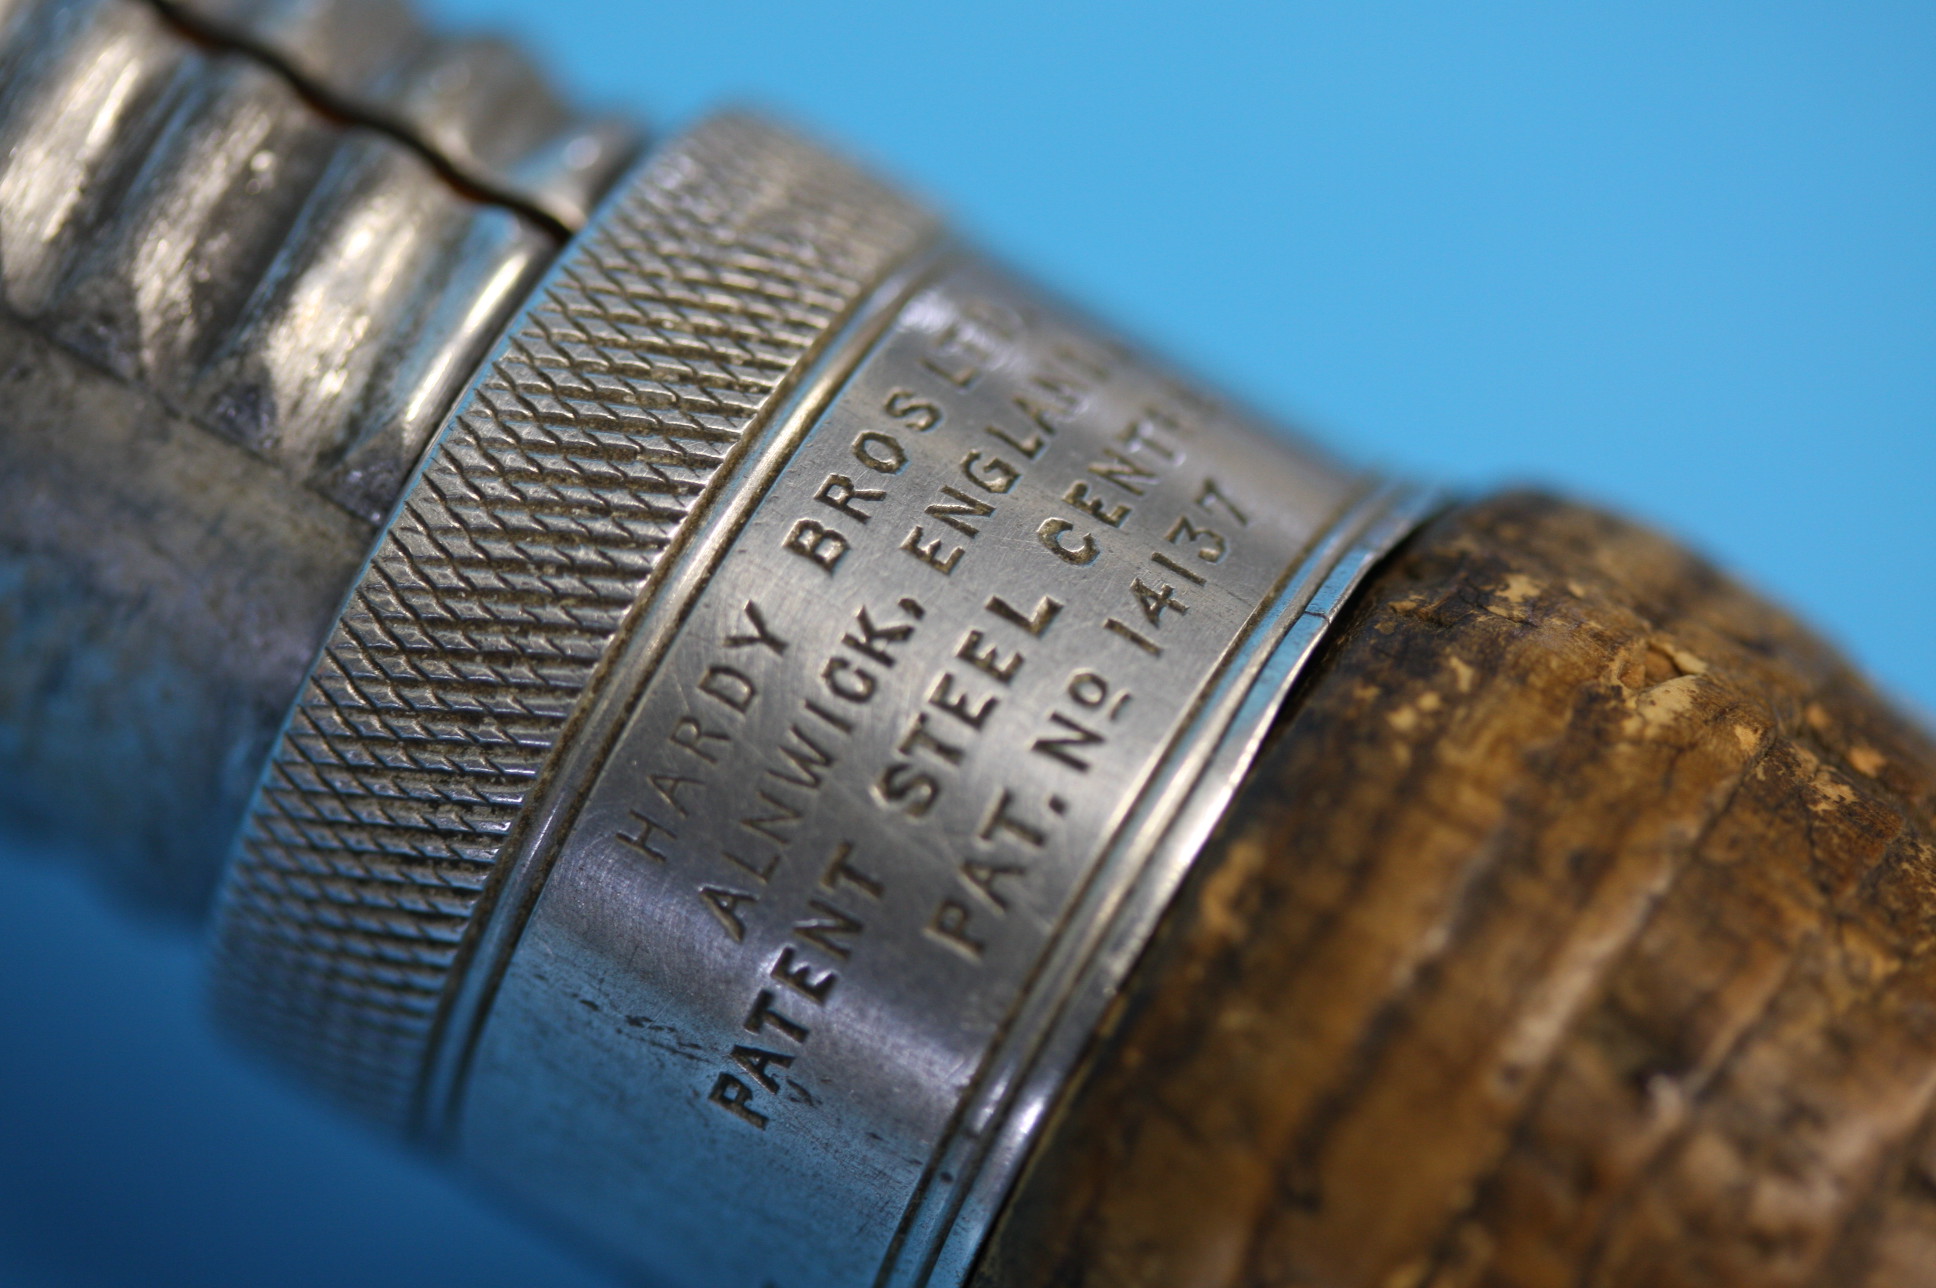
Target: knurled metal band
x=558, y=491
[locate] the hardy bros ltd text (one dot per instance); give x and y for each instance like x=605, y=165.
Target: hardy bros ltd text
x=931, y=672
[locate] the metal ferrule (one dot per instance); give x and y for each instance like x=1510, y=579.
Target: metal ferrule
x=776, y=667
x=770, y=726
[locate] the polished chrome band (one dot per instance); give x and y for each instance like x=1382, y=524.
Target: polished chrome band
x=731, y=846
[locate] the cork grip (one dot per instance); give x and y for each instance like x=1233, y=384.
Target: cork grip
x=1576, y=928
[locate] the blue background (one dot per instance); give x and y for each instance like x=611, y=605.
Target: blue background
x=1674, y=257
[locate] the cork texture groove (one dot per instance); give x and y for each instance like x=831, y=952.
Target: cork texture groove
x=1578, y=928
x=588, y=447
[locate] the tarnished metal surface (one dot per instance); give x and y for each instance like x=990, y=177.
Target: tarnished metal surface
x=757, y=741
x=186, y=238
x=771, y=727
x=476, y=103
x=160, y=592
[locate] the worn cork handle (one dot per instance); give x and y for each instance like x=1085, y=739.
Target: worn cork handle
x=1576, y=929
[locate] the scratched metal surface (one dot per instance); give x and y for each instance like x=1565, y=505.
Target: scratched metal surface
x=230, y=317
x=476, y=103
